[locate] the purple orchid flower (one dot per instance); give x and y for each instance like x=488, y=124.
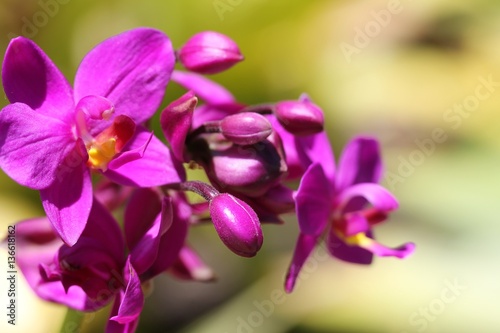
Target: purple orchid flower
x=52, y=136
x=86, y=276
x=345, y=204
x=95, y=271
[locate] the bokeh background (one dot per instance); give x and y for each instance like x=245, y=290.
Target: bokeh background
x=398, y=70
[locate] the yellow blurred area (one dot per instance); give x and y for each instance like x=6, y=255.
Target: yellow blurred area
x=422, y=76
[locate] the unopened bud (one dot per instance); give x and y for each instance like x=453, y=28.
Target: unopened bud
x=300, y=117
x=237, y=224
x=250, y=170
x=209, y=52
x=245, y=128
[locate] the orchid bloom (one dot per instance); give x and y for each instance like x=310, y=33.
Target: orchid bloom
x=52, y=136
x=95, y=271
x=345, y=204
x=86, y=276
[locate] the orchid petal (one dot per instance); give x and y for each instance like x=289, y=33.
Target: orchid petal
x=132, y=301
x=354, y=254
x=30, y=153
x=317, y=149
x=190, y=266
x=380, y=250
x=104, y=230
x=37, y=244
x=30, y=77
x=360, y=247
x=380, y=198
x=313, y=201
x=113, y=326
x=130, y=155
x=176, y=121
x=303, y=249
x=174, y=238
x=209, y=91
x=142, y=210
x=156, y=167
x=131, y=69
x=360, y=162
x=145, y=252
x=68, y=201
x=111, y=195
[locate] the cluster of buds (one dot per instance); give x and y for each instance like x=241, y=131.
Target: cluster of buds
x=54, y=138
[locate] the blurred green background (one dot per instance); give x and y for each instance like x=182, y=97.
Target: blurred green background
x=422, y=76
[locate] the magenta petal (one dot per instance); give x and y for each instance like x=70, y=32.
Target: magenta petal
x=348, y=253
x=67, y=203
x=317, y=149
x=209, y=91
x=104, y=229
x=114, y=326
x=313, y=202
x=32, y=145
x=145, y=252
x=380, y=198
x=156, y=167
x=400, y=252
x=189, y=266
x=304, y=247
x=37, y=244
x=176, y=121
x=142, y=210
x=131, y=70
x=360, y=162
x=132, y=301
x=30, y=77
x=174, y=238
x=130, y=155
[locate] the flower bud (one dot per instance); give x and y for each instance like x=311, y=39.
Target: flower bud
x=249, y=170
x=237, y=224
x=209, y=52
x=245, y=128
x=300, y=117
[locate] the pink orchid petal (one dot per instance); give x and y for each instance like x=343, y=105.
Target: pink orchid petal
x=354, y=223
x=129, y=155
x=381, y=250
x=317, y=149
x=189, y=266
x=207, y=90
x=67, y=203
x=131, y=69
x=313, y=201
x=111, y=195
x=360, y=162
x=145, y=252
x=30, y=153
x=30, y=77
x=37, y=243
x=144, y=206
x=105, y=231
x=132, y=301
x=176, y=121
x=303, y=249
x=155, y=168
x=380, y=198
x=174, y=238
x=113, y=326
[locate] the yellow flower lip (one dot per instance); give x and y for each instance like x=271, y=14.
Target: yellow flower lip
x=100, y=154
